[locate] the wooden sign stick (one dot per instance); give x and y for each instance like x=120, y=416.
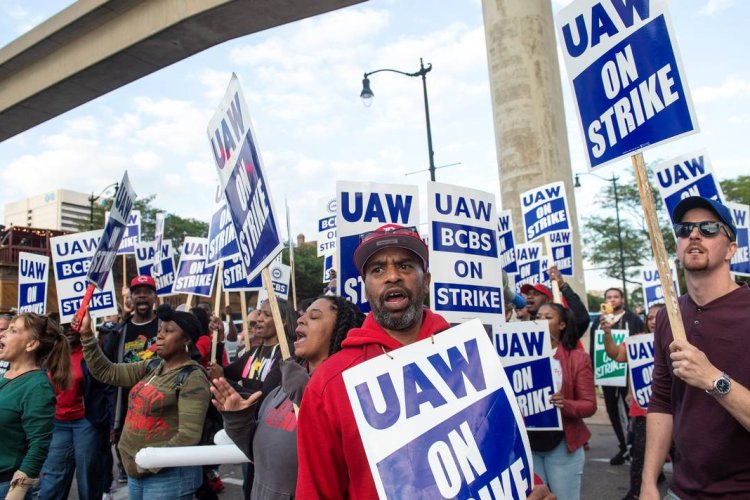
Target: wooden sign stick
x=657, y=245
x=556, y=295
x=217, y=305
x=274, y=303
x=124, y=270
x=188, y=302
x=243, y=305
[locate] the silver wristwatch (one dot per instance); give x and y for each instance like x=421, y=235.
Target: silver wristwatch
x=722, y=386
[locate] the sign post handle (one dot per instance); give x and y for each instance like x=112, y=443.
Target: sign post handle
x=188, y=302
x=124, y=270
x=657, y=245
x=245, y=329
x=84, y=307
x=273, y=302
x=556, y=295
x=217, y=305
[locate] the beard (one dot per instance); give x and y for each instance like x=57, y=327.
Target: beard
x=401, y=320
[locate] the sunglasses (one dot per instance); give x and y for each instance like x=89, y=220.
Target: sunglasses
x=707, y=228
x=402, y=231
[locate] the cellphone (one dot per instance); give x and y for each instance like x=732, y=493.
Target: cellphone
x=606, y=308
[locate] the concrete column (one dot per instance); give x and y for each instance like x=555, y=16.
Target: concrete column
x=530, y=132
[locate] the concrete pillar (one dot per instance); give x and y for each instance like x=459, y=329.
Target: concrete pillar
x=530, y=132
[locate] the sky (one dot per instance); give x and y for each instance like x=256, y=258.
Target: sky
x=302, y=83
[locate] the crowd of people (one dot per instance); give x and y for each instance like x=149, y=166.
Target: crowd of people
x=148, y=379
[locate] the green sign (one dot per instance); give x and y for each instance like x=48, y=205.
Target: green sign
x=607, y=371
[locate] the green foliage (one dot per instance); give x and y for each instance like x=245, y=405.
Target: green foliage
x=308, y=271
x=737, y=189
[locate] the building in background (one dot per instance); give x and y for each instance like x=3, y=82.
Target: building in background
x=61, y=209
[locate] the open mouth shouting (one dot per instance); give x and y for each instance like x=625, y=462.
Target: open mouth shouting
x=395, y=299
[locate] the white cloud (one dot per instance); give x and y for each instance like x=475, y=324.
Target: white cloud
x=731, y=88
x=714, y=6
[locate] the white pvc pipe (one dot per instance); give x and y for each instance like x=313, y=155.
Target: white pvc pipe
x=181, y=456
x=221, y=438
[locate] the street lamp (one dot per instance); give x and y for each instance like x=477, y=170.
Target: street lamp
x=613, y=180
x=367, y=96
x=92, y=200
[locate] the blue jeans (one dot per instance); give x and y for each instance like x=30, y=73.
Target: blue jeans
x=171, y=483
x=75, y=448
x=561, y=470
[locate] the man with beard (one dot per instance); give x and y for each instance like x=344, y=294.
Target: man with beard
x=700, y=386
x=393, y=261
x=132, y=341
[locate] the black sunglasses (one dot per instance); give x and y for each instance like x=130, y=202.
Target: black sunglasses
x=707, y=228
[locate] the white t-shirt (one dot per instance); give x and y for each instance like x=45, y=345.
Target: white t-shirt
x=557, y=375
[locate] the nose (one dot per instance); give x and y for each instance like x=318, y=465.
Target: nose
x=391, y=273
x=695, y=233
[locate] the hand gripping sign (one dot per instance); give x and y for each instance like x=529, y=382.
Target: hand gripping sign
x=626, y=76
x=466, y=276
x=607, y=371
x=652, y=291
x=641, y=367
x=33, y=271
x=364, y=207
x=243, y=178
x=438, y=419
x=506, y=243
x=145, y=255
x=545, y=211
x=72, y=255
x=687, y=175
x=194, y=276
x=741, y=260
x=526, y=354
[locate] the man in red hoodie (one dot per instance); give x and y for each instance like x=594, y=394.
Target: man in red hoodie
x=393, y=261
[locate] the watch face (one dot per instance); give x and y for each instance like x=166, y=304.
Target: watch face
x=722, y=386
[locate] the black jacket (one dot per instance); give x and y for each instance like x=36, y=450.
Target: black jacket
x=97, y=400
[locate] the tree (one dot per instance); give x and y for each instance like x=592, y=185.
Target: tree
x=737, y=189
x=308, y=271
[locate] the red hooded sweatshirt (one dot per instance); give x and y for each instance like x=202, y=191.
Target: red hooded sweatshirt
x=332, y=460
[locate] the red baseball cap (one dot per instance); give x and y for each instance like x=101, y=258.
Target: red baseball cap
x=388, y=236
x=539, y=288
x=143, y=281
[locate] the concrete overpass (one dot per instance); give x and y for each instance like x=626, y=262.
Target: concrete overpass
x=96, y=46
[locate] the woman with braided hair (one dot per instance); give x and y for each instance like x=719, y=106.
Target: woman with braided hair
x=27, y=401
x=270, y=440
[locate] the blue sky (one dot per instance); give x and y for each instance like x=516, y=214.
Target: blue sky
x=302, y=83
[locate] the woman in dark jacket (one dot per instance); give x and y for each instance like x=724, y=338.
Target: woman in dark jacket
x=558, y=455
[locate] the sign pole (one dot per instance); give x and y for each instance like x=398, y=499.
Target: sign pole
x=657, y=245
x=217, y=305
x=273, y=302
x=243, y=305
x=124, y=270
x=188, y=302
x=556, y=295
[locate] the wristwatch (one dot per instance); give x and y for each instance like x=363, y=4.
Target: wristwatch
x=722, y=386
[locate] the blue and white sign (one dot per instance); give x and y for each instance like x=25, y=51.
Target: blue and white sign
x=280, y=278
x=529, y=257
x=545, y=211
x=364, y=207
x=33, y=272
x=71, y=256
x=222, y=241
x=243, y=178
x=329, y=269
x=684, y=176
x=158, y=239
x=326, y=226
x=132, y=234
x=626, y=75
x=526, y=354
x=438, y=419
x=467, y=279
x=652, y=290
x=234, y=279
x=145, y=253
x=741, y=260
x=506, y=242
x=114, y=230
x=194, y=275
x=641, y=367
x=562, y=251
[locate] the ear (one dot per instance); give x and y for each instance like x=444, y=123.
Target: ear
x=731, y=250
x=32, y=345
x=426, y=282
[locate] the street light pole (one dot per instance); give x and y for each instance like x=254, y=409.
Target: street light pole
x=92, y=200
x=367, y=94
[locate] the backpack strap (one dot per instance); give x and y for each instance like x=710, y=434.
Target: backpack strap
x=152, y=364
x=185, y=371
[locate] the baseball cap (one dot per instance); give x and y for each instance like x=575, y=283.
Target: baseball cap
x=691, y=202
x=539, y=288
x=143, y=281
x=390, y=236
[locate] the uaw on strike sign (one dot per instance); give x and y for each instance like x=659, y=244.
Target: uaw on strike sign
x=625, y=70
x=438, y=419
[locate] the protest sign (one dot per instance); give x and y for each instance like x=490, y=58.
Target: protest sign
x=687, y=175
x=145, y=253
x=193, y=274
x=71, y=256
x=626, y=75
x=466, y=273
x=607, y=371
x=562, y=252
x=233, y=277
x=526, y=354
x=114, y=230
x=364, y=207
x=280, y=277
x=326, y=226
x=132, y=232
x=529, y=258
x=243, y=178
x=741, y=261
x=506, y=243
x=158, y=239
x=544, y=210
x=33, y=272
x=641, y=367
x=438, y=419
x=222, y=241
x=652, y=291
x=328, y=267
